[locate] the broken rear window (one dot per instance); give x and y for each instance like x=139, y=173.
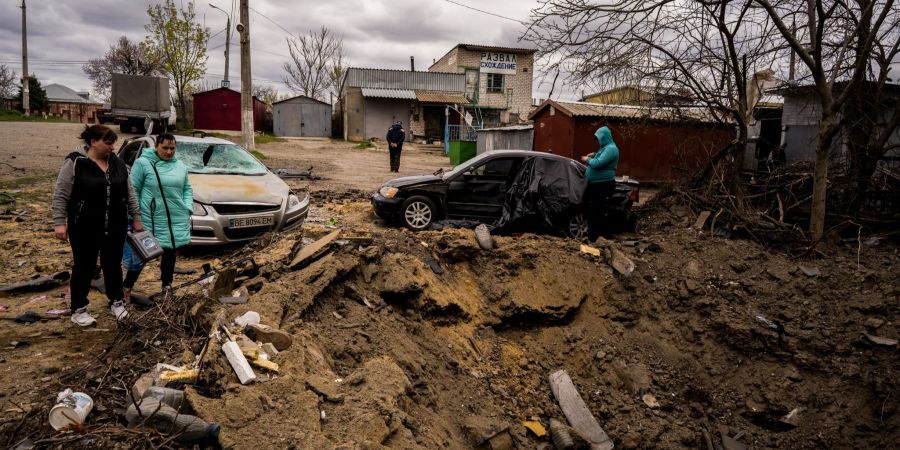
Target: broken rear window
x=229, y=159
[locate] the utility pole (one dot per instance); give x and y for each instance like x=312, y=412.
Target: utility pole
x=246, y=79
x=26, y=100
x=225, y=82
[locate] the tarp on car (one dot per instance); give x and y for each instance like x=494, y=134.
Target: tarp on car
x=544, y=192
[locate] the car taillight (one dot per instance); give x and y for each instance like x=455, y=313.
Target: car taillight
x=635, y=194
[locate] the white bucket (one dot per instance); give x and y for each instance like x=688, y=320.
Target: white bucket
x=247, y=319
x=71, y=409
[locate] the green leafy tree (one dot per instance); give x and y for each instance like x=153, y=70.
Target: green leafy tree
x=37, y=96
x=181, y=44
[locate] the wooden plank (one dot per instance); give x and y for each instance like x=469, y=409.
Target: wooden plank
x=577, y=412
x=701, y=220
x=314, y=249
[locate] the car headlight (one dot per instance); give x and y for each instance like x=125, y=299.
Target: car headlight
x=388, y=192
x=293, y=201
x=198, y=210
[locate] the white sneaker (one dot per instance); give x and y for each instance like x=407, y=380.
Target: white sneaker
x=118, y=309
x=81, y=318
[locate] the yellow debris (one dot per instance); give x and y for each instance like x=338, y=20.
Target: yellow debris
x=535, y=428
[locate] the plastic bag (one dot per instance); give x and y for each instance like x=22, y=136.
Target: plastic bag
x=130, y=259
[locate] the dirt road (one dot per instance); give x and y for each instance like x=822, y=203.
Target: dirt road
x=423, y=340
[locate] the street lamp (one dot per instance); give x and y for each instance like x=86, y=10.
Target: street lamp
x=225, y=82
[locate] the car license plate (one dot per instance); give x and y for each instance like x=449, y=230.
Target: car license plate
x=247, y=222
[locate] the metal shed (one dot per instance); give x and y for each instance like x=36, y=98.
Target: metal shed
x=518, y=137
x=655, y=143
x=301, y=116
x=220, y=109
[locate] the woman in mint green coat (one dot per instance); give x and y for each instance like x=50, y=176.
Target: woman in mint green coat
x=166, y=201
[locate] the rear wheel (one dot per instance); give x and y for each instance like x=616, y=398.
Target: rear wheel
x=577, y=227
x=418, y=212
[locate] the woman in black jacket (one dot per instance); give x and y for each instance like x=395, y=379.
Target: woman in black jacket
x=91, y=203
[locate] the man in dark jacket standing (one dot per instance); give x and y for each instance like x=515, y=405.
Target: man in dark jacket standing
x=395, y=137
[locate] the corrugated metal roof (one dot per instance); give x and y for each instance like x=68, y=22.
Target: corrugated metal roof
x=405, y=79
x=669, y=114
x=490, y=48
x=301, y=96
x=402, y=94
x=441, y=97
x=59, y=93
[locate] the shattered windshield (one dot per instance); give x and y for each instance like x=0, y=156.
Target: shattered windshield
x=202, y=157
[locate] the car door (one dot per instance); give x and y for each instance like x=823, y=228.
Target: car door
x=131, y=150
x=479, y=192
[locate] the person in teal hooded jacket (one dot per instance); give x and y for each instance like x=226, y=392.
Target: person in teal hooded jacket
x=601, y=176
x=166, y=201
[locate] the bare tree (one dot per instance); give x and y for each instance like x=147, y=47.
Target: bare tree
x=7, y=82
x=125, y=56
x=316, y=58
x=708, y=50
x=266, y=94
x=842, y=45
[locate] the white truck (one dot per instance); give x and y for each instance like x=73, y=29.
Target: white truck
x=138, y=100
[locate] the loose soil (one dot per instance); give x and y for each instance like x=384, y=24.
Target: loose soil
x=424, y=340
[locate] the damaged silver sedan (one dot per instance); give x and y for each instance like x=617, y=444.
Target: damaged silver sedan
x=236, y=197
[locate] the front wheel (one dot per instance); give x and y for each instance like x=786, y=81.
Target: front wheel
x=418, y=213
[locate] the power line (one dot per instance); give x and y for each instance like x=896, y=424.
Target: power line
x=486, y=12
x=270, y=20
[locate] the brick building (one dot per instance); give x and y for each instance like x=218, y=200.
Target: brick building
x=65, y=102
x=498, y=80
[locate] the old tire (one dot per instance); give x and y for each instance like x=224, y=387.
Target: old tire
x=578, y=227
x=417, y=213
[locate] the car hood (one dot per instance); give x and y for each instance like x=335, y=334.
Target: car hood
x=268, y=188
x=412, y=181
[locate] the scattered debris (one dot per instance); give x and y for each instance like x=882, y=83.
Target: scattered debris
x=310, y=252
x=577, y=412
x=810, y=271
x=792, y=419
x=37, y=284
x=185, y=271
x=620, y=262
x=874, y=322
x=297, y=174
x=590, y=250
x=559, y=434
x=247, y=319
x=483, y=236
x=701, y=220
x=71, y=409
x=237, y=297
x=265, y=333
x=731, y=443
x=888, y=342
x=535, y=427
x=237, y=360
x=650, y=401
x=167, y=420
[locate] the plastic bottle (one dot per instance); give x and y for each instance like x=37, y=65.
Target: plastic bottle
x=171, y=397
x=167, y=420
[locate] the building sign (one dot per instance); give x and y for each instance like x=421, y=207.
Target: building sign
x=226, y=83
x=504, y=63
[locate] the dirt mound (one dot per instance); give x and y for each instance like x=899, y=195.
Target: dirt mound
x=423, y=340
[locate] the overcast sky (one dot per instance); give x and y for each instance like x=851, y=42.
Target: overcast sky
x=63, y=34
